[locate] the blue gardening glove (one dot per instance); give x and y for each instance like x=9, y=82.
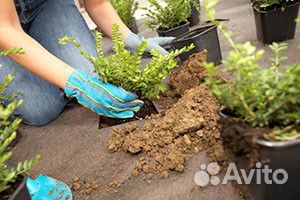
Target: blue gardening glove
x=159, y=43
x=47, y=188
x=103, y=98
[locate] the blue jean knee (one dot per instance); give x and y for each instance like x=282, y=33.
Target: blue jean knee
x=42, y=101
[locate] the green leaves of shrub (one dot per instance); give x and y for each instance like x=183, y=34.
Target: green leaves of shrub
x=8, y=128
x=264, y=4
x=168, y=14
x=262, y=96
x=123, y=69
x=125, y=9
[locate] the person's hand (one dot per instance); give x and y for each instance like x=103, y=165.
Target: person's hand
x=159, y=43
x=103, y=98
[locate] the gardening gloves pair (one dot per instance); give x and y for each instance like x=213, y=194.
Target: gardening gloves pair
x=103, y=98
x=161, y=44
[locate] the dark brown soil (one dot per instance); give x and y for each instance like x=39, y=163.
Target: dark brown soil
x=239, y=138
x=147, y=110
x=189, y=126
x=190, y=74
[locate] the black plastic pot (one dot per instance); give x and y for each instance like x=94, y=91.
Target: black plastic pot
x=277, y=155
x=21, y=193
x=276, y=25
x=133, y=26
x=174, y=32
x=205, y=37
x=194, y=18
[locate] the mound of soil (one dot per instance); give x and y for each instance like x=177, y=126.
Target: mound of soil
x=190, y=74
x=189, y=126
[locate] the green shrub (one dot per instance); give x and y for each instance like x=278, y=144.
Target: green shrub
x=123, y=69
x=262, y=96
x=168, y=14
x=8, y=128
x=126, y=10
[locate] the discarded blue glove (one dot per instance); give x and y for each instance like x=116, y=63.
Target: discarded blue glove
x=159, y=43
x=46, y=188
x=103, y=98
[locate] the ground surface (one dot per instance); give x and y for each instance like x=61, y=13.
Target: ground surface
x=73, y=146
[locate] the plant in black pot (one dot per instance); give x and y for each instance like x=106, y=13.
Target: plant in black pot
x=12, y=178
x=169, y=17
x=124, y=69
x=275, y=20
x=126, y=10
x=204, y=37
x=266, y=99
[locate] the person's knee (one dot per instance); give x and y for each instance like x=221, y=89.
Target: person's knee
x=42, y=113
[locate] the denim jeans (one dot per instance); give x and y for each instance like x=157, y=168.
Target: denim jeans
x=46, y=21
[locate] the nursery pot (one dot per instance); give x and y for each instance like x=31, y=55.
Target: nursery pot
x=194, y=17
x=174, y=32
x=205, y=37
x=278, y=156
x=133, y=26
x=276, y=25
x=21, y=193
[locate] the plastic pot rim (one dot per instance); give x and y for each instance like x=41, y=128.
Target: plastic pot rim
x=276, y=145
x=185, y=37
x=255, y=8
x=185, y=23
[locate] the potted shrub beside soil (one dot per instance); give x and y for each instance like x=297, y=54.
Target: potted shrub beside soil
x=126, y=10
x=169, y=17
x=275, y=20
x=12, y=178
x=266, y=98
x=123, y=69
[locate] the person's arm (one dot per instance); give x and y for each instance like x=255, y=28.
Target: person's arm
x=104, y=16
x=102, y=98
x=36, y=58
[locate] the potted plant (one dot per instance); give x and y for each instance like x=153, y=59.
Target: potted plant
x=126, y=10
x=169, y=17
x=12, y=178
x=275, y=20
x=194, y=17
x=262, y=97
x=123, y=68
